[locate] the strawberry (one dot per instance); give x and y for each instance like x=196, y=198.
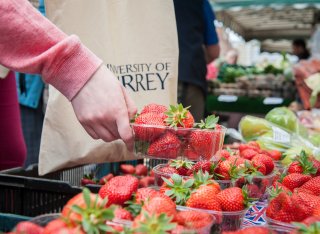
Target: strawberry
x=154, y=108
x=225, y=154
x=182, y=166
x=144, y=194
x=205, y=197
x=59, y=226
x=127, y=169
x=203, y=166
x=88, y=210
x=153, y=223
x=168, y=171
x=316, y=211
x=316, y=164
x=302, y=165
x=178, y=116
x=295, y=180
x=166, y=146
x=248, y=153
x=155, y=126
x=252, y=146
x=310, y=220
x=268, y=162
x=88, y=179
x=206, y=143
x=146, y=181
x=275, y=154
x=226, y=169
x=232, y=199
x=120, y=213
x=28, y=228
x=141, y=170
x=312, y=185
x=259, y=165
x=105, y=179
x=281, y=208
x=119, y=189
x=160, y=205
x=192, y=219
x=189, y=152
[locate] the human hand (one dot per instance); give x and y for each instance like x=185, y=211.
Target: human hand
x=104, y=108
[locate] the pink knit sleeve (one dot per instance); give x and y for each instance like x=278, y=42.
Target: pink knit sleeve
x=30, y=43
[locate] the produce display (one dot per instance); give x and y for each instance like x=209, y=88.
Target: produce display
x=171, y=133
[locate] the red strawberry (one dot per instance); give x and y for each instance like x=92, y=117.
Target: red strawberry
x=154, y=108
x=182, y=166
x=232, y=199
x=105, y=179
x=205, y=197
x=316, y=211
x=316, y=164
x=295, y=180
x=252, y=146
x=275, y=154
x=168, y=171
x=194, y=219
x=267, y=161
x=310, y=220
x=225, y=154
x=59, y=226
x=149, y=133
x=119, y=189
x=86, y=180
x=141, y=170
x=127, y=169
x=120, y=213
x=302, y=165
x=312, y=185
x=203, y=166
x=281, y=208
x=206, y=142
x=159, y=205
x=146, y=181
x=252, y=230
x=178, y=116
x=189, y=152
x=144, y=194
x=27, y=227
x=248, y=153
x=166, y=146
x=259, y=165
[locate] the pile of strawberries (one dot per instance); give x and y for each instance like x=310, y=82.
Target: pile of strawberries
x=235, y=168
x=140, y=171
x=296, y=196
x=168, y=133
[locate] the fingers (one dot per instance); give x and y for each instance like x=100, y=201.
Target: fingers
x=105, y=134
x=132, y=109
x=125, y=131
x=90, y=131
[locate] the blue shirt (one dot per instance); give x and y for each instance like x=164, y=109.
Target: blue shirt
x=29, y=86
x=210, y=34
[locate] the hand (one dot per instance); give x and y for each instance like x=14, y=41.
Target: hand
x=104, y=108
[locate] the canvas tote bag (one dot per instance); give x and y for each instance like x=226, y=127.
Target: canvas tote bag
x=137, y=41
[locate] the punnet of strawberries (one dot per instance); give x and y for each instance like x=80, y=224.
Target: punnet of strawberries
x=169, y=133
x=295, y=196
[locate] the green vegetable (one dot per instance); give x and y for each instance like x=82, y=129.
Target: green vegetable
x=283, y=117
x=315, y=139
x=292, y=153
x=252, y=127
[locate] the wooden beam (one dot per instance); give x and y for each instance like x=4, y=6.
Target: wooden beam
x=277, y=34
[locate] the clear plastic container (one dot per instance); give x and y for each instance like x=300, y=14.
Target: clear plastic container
x=225, y=220
x=158, y=174
x=272, y=229
x=276, y=223
x=257, y=188
x=43, y=220
x=176, y=142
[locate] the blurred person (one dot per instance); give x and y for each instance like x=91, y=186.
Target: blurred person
x=299, y=49
x=100, y=102
x=198, y=46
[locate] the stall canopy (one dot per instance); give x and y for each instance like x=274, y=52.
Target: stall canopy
x=266, y=19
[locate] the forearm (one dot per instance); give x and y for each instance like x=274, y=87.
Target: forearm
x=30, y=43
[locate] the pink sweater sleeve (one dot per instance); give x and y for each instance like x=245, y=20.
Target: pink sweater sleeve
x=30, y=43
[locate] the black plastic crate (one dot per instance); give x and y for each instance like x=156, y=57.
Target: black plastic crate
x=24, y=192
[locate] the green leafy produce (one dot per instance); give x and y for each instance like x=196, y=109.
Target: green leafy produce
x=292, y=153
x=252, y=127
x=283, y=117
x=315, y=139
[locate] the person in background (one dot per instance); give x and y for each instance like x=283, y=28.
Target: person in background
x=198, y=46
x=299, y=49
x=30, y=91
x=99, y=101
